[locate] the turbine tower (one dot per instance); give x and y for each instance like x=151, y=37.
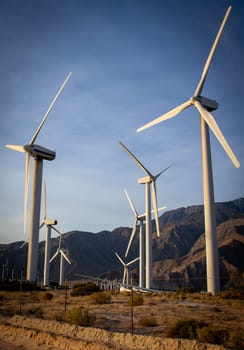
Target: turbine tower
x=139, y=218
x=49, y=223
x=204, y=107
x=148, y=181
x=3, y=269
x=39, y=154
x=63, y=256
x=126, y=281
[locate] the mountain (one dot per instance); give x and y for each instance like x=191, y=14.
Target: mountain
x=179, y=253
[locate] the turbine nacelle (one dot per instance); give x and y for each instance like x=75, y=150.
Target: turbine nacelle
x=50, y=222
x=40, y=151
x=209, y=105
x=145, y=180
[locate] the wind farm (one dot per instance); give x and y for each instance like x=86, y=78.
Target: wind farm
x=205, y=107
x=129, y=64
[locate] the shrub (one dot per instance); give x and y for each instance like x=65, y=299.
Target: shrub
x=84, y=289
x=185, y=329
x=58, y=316
x=80, y=316
x=32, y=310
x=236, y=340
x=46, y=296
x=147, y=321
x=213, y=336
x=100, y=298
x=39, y=313
x=182, y=292
x=137, y=300
x=2, y=297
x=232, y=294
x=186, y=290
x=216, y=309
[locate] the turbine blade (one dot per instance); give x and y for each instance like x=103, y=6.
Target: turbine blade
x=27, y=178
x=155, y=207
x=65, y=256
x=167, y=115
x=131, y=204
x=132, y=261
x=16, y=148
x=23, y=244
x=161, y=172
x=122, y=262
x=209, y=119
x=136, y=160
x=131, y=238
x=42, y=224
x=211, y=54
x=49, y=109
x=141, y=216
x=55, y=229
x=54, y=256
x=161, y=208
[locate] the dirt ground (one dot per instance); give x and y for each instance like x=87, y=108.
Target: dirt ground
x=39, y=326
x=36, y=334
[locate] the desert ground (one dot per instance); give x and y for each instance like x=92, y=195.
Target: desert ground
x=31, y=320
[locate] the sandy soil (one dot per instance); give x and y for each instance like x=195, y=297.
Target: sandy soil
x=27, y=333
x=112, y=327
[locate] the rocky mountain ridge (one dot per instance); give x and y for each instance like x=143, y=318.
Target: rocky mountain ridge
x=178, y=255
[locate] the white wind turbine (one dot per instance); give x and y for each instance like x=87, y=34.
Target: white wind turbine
x=3, y=269
x=204, y=107
x=39, y=153
x=126, y=280
x=139, y=218
x=49, y=223
x=63, y=256
x=149, y=180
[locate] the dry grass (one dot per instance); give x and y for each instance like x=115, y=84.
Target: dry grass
x=164, y=309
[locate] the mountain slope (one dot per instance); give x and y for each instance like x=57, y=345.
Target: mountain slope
x=179, y=254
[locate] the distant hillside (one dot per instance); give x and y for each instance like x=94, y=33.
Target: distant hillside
x=191, y=268
x=179, y=254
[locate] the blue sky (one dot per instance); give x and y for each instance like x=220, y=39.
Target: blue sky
x=131, y=61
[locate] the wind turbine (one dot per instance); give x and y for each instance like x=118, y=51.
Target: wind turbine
x=3, y=269
x=204, y=107
x=149, y=180
x=39, y=153
x=62, y=257
x=139, y=218
x=125, y=280
x=49, y=223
